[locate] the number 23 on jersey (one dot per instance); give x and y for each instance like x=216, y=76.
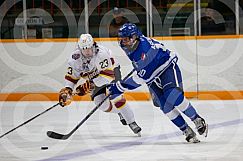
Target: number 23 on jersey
x=104, y=64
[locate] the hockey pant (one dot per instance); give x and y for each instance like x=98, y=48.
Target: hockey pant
x=167, y=93
x=117, y=105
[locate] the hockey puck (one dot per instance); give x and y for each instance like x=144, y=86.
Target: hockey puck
x=44, y=148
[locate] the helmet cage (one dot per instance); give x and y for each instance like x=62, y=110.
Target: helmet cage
x=128, y=35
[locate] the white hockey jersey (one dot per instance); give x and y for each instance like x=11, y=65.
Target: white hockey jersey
x=99, y=68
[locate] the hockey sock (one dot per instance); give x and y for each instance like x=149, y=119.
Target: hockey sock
x=127, y=114
x=175, y=116
x=187, y=109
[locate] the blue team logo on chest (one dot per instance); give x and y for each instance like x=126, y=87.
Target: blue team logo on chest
x=143, y=56
x=139, y=55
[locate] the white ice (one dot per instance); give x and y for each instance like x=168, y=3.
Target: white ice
x=103, y=138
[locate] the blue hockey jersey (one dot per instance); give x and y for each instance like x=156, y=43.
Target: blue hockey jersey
x=149, y=59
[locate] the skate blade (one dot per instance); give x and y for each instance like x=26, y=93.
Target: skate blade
x=139, y=134
x=194, y=140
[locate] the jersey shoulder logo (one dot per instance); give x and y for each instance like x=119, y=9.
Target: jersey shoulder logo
x=75, y=56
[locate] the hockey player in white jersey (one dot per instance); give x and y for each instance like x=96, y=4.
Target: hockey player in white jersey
x=95, y=64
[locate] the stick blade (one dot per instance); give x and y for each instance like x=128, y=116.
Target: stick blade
x=55, y=135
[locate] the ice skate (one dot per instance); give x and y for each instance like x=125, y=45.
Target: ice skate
x=190, y=135
x=123, y=121
x=135, y=128
x=201, y=126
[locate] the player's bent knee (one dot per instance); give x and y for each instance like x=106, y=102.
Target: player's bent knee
x=119, y=103
x=106, y=105
x=167, y=108
x=174, y=96
x=109, y=107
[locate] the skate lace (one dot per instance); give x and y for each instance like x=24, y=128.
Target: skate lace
x=188, y=132
x=199, y=123
x=133, y=125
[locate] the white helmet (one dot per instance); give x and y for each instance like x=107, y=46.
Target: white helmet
x=85, y=41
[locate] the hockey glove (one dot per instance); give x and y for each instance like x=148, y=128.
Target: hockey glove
x=116, y=89
x=65, y=96
x=85, y=88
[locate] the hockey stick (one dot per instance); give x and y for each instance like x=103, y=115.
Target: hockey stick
x=29, y=120
x=55, y=135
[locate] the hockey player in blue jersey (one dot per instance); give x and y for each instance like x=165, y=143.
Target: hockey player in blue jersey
x=157, y=67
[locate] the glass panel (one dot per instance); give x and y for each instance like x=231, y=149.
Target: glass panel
x=103, y=22
x=217, y=17
x=56, y=17
x=46, y=19
x=241, y=16
x=173, y=18
x=9, y=13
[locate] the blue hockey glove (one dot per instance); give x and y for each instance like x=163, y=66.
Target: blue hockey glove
x=116, y=89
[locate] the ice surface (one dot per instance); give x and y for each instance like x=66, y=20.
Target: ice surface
x=104, y=138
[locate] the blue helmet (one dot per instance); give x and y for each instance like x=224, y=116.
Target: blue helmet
x=128, y=30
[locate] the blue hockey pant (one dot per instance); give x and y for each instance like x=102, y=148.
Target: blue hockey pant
x=167, y=93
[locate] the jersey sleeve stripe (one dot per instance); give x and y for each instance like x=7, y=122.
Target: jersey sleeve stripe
x=106, y=76
x=109, y=73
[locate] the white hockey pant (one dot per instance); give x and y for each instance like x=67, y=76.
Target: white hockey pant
x=117, y=105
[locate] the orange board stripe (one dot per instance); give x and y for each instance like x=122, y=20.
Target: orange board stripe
x=115, y=39
x=220, y=95
x=138, y=96
x=130, y=96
